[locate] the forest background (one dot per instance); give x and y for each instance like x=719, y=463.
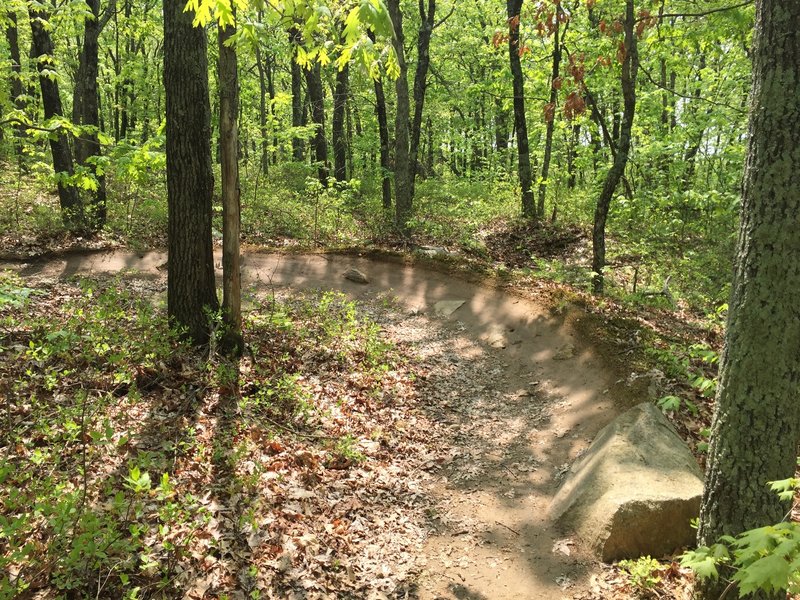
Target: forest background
x=672, y=218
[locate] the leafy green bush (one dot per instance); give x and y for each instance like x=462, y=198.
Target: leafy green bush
x=763, y=559
x=642, y=573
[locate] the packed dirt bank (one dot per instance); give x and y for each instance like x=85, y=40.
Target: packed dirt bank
x=515, y=394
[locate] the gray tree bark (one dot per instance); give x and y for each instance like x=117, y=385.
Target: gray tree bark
x=520, y=123
x=232, y=342
x=756, y=424
x=72, y=214
x=402, y=149
x=191, y=289
x=86, y=111
x=317, y=100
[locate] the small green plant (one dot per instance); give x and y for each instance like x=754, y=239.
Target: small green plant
x=643, y=573
x=764, y=559
x=674, y=403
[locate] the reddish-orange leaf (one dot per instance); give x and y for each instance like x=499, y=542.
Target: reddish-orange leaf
x=549, y=111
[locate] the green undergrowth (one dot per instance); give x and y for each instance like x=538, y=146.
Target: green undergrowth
x=119, y=442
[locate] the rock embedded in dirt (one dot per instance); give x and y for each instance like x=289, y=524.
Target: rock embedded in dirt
x=445, y=308
x=355, y=275
x=634, y=491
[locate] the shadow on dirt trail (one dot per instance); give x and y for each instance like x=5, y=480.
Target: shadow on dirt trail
x=516, y=397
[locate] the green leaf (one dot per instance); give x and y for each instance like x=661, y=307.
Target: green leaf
x=702, y=562
x=769, y=573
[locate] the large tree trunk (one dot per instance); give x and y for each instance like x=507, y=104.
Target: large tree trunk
x=232, y=343
x=86, y=111
x=341, y=91
x=191, y=288
x=630, y=67
x=17, y=91
x=297, y=95
x=317, y=101
x=69, y=198
x=756, y=424
x=520, y=123
x=551, y=121
x=427, y=22
x=402, y=150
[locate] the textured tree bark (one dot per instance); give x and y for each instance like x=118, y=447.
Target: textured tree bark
x=232, y=343
x=548, y=141
x=191, y=287
x=427, y=22
x=756, y=423
x=520, y=124
x=17, y=91
x=317, y=100
x=86, y=111
x=341, y=92
x=630, y=67
x=69, y=199
x=402, y=150
x=298, y=150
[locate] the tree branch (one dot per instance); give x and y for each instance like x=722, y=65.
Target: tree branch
x=695, y=97
x=447, y=16
x=704, y=13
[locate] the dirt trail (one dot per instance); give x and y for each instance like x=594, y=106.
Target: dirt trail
x=518, y=397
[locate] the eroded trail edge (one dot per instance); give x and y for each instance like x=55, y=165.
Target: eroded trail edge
x=511, y=398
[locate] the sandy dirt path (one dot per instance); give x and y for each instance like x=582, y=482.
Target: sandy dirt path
x=518, y=396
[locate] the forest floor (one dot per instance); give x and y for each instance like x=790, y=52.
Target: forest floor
x=449, y=495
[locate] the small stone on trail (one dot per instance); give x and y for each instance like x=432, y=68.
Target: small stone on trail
x=355, y=275
x=445, y=308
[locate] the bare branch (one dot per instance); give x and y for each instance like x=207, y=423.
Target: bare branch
x=704, y=13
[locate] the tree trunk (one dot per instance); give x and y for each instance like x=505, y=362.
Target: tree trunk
x=572, y=154
x=427, y=22
x=756, y=423
x=70, y=201
x=402, y=151
x=429, y=147
x=341, y=91
x=86, y=111
x=191, y=288
x=551, y=121
x=690, y=157
x=298, y=120
x=262, y=108
x=317, y=101
x=17, y=91
x=630, y=67
x=520, y=124
x=232, y=342
x=383, y=133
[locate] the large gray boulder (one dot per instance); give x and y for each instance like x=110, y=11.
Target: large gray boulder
x=634, y=491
